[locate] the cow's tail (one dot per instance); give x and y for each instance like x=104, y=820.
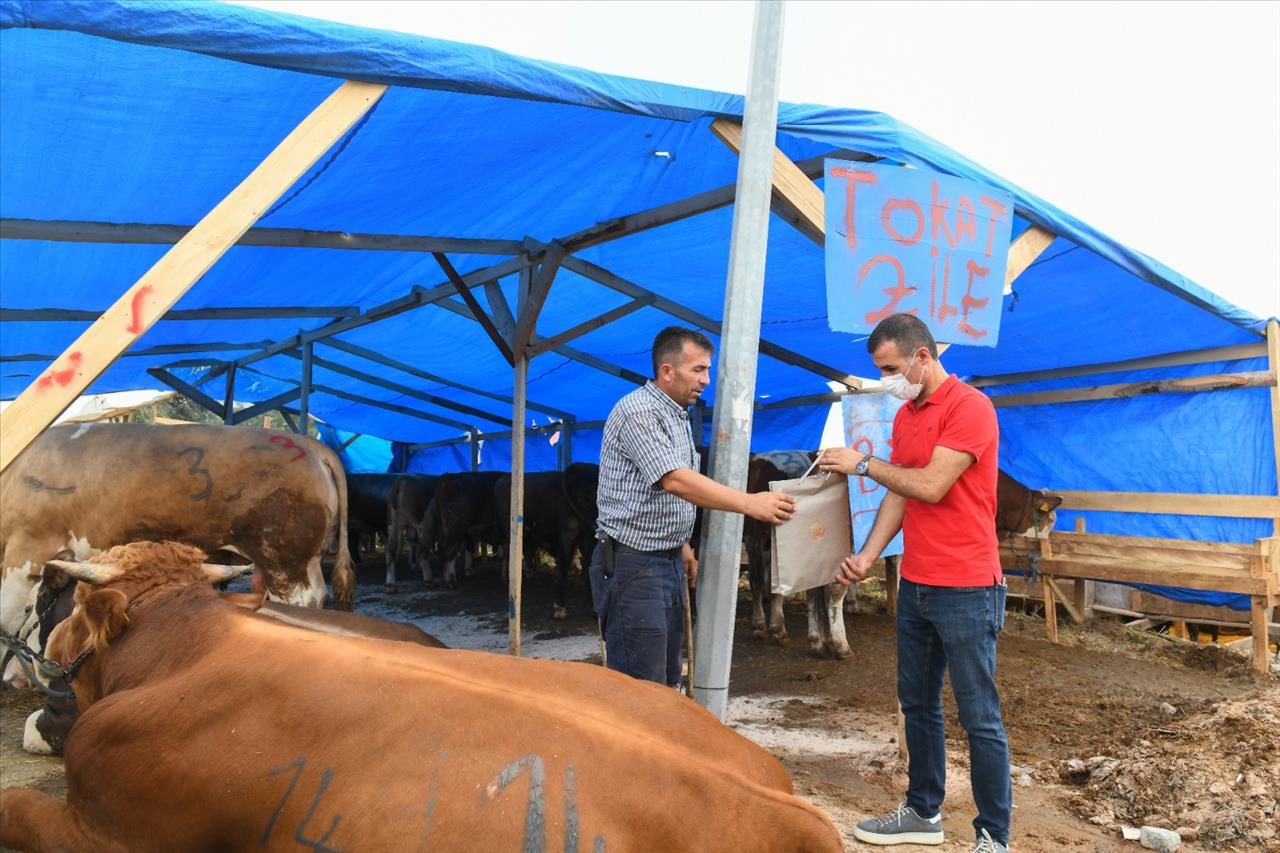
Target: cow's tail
x=568, y=497
x=344, y=571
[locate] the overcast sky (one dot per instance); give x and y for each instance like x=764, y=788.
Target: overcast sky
x=1158, y=123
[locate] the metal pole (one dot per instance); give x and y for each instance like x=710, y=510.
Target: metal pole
x=475, y=450
x=304, y=407
x=736, y=368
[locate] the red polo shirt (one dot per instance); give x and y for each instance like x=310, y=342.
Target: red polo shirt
x=952, y=542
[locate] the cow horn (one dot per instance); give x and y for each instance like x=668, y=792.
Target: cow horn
x=94, y=573
x=221, y=574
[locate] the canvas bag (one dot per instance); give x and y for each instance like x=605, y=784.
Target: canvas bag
x=806, y=551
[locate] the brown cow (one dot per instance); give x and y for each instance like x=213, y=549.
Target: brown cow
x=1025, y=511
x=279, y=499
x=294, y=745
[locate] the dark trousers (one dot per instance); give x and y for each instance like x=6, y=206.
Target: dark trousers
x=953, y=629
x=641, y=610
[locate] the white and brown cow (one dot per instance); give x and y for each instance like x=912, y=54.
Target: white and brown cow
x=298, y=745
x=278, y=499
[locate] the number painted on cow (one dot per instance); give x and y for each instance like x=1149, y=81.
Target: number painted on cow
x=35, y=484
x=317, y=844
x=196, y=471
x=287, y=443
x=535, y=821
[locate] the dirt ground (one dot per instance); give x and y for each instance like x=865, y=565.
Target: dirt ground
x=1092, y=747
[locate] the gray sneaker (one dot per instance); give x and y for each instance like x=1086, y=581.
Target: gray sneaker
x=900, y=826
x=987, y=844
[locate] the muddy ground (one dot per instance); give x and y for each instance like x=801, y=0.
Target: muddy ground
x=1084, y=719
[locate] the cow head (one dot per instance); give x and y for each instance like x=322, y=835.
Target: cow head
x=1020, y=510
x=109, y=586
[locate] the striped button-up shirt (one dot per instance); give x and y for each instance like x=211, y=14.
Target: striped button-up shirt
x=646, y=437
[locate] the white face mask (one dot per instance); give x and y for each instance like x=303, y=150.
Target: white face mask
x=898, y=386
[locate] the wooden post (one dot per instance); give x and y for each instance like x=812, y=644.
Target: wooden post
x=228, y=401
x=180, y=268
x=1273, y=363
x=475, y=450
x=1082, y=586
x=1267, y=561
x=891, y=584
x=1050, y=600
x=304, y=401
x=1260, y=568
x=515, y=545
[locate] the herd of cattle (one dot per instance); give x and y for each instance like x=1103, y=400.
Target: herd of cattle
x=82, y=513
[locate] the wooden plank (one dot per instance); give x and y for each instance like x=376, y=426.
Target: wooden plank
x=644, y=220
x=1050, y=610
x=304, y=395
x=166, y=349
x=477, y=313
x=1023, y=251
x=1075, y=613
x=187, y=390
x=348, y=442
x=577, y=355
x=290, y=422
x=1258, y=631
x=228, y=401
x=515, y=549
x=433, y=399
x=1173, y=359
x=1139, y=551
x=265, y=406
x=74, y=315
x=1164, y=574
x=484, y=436
x=66, y=231
x=611, y=280
x=539, y=289
x=1273, y=362
x=1060, y=537
x=415, y=298
x=1163, y=503
x=379, y=358
x=589, y=326
x=499, y=309
x=180, y=268
x=390, y=407
x=793, y=191
x=1187, y=385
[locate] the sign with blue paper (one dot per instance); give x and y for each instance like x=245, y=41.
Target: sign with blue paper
x=910, y=241
x=868, y=426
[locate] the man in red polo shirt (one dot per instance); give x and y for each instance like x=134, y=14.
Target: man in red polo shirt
x=941, y=482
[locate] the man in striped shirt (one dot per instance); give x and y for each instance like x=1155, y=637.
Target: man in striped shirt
x=649, y=486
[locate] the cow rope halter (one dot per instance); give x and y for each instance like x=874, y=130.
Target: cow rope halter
x=1031, y=560
x=27, y=656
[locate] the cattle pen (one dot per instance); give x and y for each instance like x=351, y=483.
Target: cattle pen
x=467, y=254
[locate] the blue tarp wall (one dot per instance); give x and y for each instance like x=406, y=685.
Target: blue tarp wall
x=150, y=112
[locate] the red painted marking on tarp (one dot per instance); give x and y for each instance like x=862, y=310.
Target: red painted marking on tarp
x=62, y=377
x=287, y=443
x=136, y=325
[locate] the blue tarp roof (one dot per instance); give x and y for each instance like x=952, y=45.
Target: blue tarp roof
x=150, y=112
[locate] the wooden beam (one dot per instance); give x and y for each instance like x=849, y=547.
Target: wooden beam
x=1223, y=506
x=265, y=406
x=290, y=422
x=1190, y=384
x=539, y=289
x=167, y=349
x=635, y=291
x=391, y=407
x=793, y=191
x=415, y=298
x=1173, y=359
x=1023, y=251
x=190, y=391
x=590, y=325
x=644, y=220
x=180, y=268
x=72, y=315
x=433, y=399
x=504, y=346
x=577, y=355
x=1075, y=614
x=499, y=309
x=304, y=400
x=229, y=400
x=65, y=231
x=378, y=358
x=1273, y=363
x=484, y=436
x=515, y=517
x=348, y=442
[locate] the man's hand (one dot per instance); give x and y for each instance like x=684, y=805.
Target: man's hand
x=839, y=459
x=853, y=568
x=769, y=507
x=690, y=564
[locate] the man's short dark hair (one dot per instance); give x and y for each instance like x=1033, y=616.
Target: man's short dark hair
x=669, y=344
x=906, y=330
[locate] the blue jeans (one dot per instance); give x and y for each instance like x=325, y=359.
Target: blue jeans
x=953, y=629
x=641, y=610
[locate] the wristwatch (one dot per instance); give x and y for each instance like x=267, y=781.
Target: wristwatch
x=863, y=464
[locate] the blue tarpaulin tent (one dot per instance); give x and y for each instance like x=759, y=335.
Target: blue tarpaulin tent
x=118, y=118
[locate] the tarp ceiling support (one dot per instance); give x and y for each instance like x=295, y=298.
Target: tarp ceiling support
x=1173, y=359
x=190, y=391
x=265, y=406
x=138, y=308
x=616, y=282
x=229, y=400
x=538, y=290
x=504, y=346
x=304, y=402
x=390, y=407
x=57, y=315
x=66, y=231
x=590, y=325
x=165, y=349
x=378, y=381
x=290, y=422
x=370, y=355
x=416, y=298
